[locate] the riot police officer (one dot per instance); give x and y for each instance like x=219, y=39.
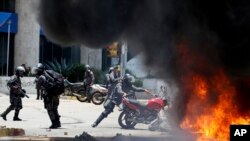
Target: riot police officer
x=88, y=80
x=16, y=94
x=129, y=88
x=114, y=96
x=114, y=78
x=114, y=99
x=51, y=101
x=108, y=77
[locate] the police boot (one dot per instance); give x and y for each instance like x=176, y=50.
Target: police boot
x=57, y=121
x=16, y=118
x=55, y=124
x=4, y=114
x=99, y=119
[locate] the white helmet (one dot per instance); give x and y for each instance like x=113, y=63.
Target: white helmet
x=20, y=70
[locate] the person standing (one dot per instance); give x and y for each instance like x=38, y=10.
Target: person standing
x=50, y=99
x=39, y=89
x=16, y=94
x=88, y=81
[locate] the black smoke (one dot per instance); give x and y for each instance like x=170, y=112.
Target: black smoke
x=218, y=30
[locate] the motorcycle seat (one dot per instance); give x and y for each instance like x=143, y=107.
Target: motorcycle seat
x=140, y=103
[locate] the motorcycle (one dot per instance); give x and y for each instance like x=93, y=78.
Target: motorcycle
x=141, y=111
x=97, y=92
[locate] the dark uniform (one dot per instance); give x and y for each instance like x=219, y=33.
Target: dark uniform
x=129, y=88
x=39, y=90
x=108, y=77
x=115, y=98
x=51, y=101
x=88, y=81
x=16, y=94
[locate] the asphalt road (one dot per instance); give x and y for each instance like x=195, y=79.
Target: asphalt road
x=76, y=117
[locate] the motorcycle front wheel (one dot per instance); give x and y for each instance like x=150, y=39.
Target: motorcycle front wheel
x=98, y=98
x=125, y=118
x=83, y=96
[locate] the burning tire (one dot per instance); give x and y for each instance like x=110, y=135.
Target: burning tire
x=125, y=120
x=98, y=98
x=83, y=96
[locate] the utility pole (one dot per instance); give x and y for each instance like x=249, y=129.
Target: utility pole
x=123, y=62
x=8, y=48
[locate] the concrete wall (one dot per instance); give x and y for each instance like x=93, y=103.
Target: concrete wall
x=154, y=85
x=27, y=38
x=90, y=56
x=27, y=84
x=137, y=67
x=161, y=88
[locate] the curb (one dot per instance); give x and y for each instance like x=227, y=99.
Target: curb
x=11, y=131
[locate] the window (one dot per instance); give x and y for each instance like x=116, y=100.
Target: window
x=7, y=5
x=3, y=54
x=51, y=52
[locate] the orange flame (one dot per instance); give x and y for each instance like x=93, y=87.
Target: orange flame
x=211, y=108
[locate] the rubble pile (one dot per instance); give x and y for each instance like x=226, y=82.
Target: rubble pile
x=84, y=137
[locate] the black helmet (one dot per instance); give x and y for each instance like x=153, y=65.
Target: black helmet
x=19, y=71
x=128, y=77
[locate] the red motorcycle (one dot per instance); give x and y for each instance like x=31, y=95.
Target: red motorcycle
x=136, y=111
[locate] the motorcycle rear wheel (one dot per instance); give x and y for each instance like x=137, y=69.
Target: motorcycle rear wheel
x=124, y=116
x=83, y=97
x=98, y=98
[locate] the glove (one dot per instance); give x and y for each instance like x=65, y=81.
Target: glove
x=22, y=95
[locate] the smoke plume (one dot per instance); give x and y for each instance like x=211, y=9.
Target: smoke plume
x=165, y=31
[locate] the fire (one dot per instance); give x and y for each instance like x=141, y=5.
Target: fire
x=211, y=108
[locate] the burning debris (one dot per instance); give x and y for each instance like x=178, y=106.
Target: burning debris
x=202, y=45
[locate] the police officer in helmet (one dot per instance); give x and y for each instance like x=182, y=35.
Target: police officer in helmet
x=16, y=94
x=129, y=88
x=51, y=101
x=114, y=97
x=88, y=80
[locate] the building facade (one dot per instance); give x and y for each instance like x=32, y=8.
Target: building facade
x=23, y=42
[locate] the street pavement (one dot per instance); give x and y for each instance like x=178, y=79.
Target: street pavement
x=76, y=118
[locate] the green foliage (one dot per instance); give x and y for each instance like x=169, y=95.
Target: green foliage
x=76, y=73
x=138, y=83
x=61, y=67
x=99, y=76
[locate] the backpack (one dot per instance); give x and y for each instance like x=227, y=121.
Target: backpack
x=55, y=82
